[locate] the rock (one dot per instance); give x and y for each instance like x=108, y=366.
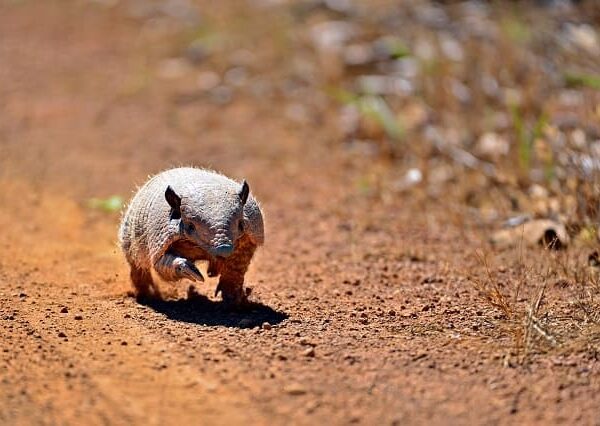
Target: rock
x=516, y=221
x=306, y=342
x=329, y=39
x=424, y=50
x=390, y=47
x=196, y=52
x=583, y=36
x=310, y=352
x=492, y=146
x=207, y=80
x=490, y=85
x=266, y=326
x=545, y=232
x=332, y=34
x=236, y=76
x=294, y=389
x=358, y=54
x=64, y=310
x=460, y=90
x=451, y=48
x=384, y=85
x=221, y=95
x=412, y=177
x=339, y=6
x=431, y=15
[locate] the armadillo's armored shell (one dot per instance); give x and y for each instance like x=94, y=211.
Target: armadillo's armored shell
x=147, y=230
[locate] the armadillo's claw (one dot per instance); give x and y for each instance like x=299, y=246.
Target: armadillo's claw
x=195, y=272
x=187, y=269
x=218, y=289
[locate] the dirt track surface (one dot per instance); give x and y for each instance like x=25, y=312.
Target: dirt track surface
x=373, y=318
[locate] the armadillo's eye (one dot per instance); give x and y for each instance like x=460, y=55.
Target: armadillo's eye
x=241, y=226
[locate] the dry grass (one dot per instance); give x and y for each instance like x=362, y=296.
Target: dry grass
x=549, y=304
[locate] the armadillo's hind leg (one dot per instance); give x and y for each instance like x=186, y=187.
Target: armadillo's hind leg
x=171, y=267
x=143, y=285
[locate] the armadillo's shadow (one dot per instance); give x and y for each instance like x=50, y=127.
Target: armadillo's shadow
x=202, y=311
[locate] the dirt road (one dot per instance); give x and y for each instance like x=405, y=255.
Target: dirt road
x=371, y=315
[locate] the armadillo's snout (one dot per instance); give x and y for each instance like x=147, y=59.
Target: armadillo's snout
x=224, y=250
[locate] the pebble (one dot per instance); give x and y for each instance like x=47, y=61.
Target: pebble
x=196, y=52
x=310, y=352
x=266, y=326
x=207, y=80
x=221, y=95
x=294, y=389
x=64, y=310
x=305, y=342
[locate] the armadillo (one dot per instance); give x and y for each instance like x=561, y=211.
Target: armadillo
x=183, y=215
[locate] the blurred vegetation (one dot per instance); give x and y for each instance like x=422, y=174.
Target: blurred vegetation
x=494, y=105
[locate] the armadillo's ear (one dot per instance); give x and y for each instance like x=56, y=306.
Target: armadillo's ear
x=174, y=201
x=244, y=192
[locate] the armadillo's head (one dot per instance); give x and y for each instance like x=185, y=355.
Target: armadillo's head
x=212, y=218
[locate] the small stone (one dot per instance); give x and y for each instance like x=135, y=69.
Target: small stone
x=221, y=95
x=61, y=334
x=305, y=342
x=78, y=317
x=584, y=37
x=266, y=326
x=492, y=145
x=196, y=52
x=294, y=389
x=123, y=343
x=64, y=310
x=358, y=54
x=310, y=352
x=207, y=80
x=236, y=76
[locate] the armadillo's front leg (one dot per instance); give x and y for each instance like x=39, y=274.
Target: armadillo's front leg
x=171, y=267
x=232, y=271
x=231, y=287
